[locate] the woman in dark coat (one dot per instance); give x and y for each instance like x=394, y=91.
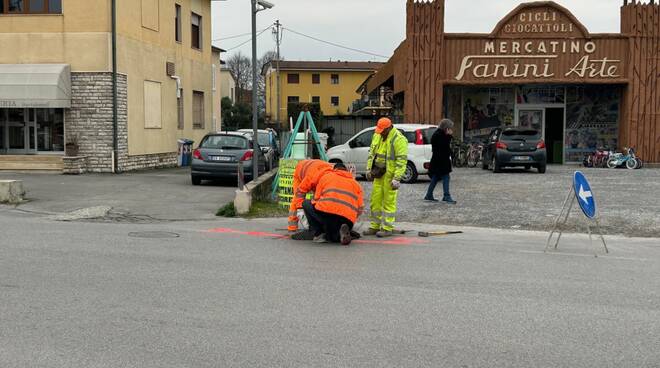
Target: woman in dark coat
x=441, y=161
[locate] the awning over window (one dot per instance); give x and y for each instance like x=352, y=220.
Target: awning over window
x=35, y=85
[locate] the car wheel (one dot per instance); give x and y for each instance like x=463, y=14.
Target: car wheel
x=196, y=180
x=496, y=166
x=410, y=176
x=541, y=169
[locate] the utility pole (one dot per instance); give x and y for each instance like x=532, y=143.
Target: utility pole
x=278, y=40
x=256, y=151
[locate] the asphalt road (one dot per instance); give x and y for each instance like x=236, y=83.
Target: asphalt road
x=80, y=294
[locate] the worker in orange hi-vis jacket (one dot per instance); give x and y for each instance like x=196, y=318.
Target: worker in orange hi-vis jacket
x=304, y=169
x=338, y=203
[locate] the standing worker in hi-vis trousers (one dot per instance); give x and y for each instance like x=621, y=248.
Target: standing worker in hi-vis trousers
x=388, y=157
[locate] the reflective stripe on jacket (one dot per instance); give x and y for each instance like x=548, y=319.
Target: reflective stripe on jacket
x=338, y=193
x=392, y=153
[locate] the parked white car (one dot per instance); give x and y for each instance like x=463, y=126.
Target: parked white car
x=356, y=150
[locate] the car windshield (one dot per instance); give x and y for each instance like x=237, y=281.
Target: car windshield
x=521, y=135
x=227, y=142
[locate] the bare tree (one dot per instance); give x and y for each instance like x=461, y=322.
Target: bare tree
x=241, y=66
x=261, y=91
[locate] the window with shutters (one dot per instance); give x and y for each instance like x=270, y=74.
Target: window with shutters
x=292, y=99
x=334, y=78
x=316, y=99
x=293, y=78
x=198, y=110
x=196, y=31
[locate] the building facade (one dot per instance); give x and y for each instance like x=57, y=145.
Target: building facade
x=332, y=84
x=57, y=85
x=538, y=68
x=227, y=84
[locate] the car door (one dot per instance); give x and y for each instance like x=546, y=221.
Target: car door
x=359, y=152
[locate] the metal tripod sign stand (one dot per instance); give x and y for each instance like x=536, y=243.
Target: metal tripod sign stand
x=305, y=121
x=580, y=192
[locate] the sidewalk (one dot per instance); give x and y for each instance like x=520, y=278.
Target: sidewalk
x=144, y=196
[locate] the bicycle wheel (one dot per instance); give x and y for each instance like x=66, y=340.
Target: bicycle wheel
x=472, y=159
x=612, y=163
x=631, y=163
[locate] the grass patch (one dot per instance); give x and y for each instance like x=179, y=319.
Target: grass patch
x=258, y=210
x=266, y=209
x=227, y=211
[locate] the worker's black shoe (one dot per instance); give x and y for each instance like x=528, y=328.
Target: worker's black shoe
x=345, y=235
x=303, y=235
x=355, y=235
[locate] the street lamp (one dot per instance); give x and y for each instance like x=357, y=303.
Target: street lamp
x=257, y=6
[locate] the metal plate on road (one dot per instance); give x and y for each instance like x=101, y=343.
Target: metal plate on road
x=583, y=194
x=153, y=234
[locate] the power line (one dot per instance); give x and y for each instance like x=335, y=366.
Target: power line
x=336, y=45
x=234, y=36
x=248, y=40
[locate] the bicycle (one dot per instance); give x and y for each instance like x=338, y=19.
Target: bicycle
x=628, y=160
x=459, y=152
x=475, y=154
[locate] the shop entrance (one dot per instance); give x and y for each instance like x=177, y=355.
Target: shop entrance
x=26, y=131
x=549, y=120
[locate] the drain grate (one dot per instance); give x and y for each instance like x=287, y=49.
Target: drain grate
x=153, y=234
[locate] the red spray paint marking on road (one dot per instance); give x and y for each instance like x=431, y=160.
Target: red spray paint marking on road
x=400, y=240
x=260, y=234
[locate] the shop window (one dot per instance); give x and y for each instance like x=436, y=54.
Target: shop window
x=592, y=120
x=540, y=94
x=180, y=124
x=292, y=78
x=334, y=100
x=50, y=130
x=334, y=79
x=196, y=31
x=316, y=78
x=30, y=6
x=152, y=105
x=198, y=110
x=485, y=109
x=177, y=23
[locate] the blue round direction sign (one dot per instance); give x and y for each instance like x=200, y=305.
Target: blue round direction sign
x=583, y=194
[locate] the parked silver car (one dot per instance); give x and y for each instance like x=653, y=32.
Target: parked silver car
x=219, y=154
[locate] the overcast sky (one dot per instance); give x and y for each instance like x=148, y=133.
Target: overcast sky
x=376, y=26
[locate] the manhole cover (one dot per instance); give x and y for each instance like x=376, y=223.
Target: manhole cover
x=153, y=234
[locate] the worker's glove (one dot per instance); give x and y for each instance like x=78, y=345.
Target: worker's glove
x=396, y=184
x=369, y=176
x=302, y=219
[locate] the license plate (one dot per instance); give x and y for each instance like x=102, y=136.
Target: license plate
x=220, y=158
x=521, y=158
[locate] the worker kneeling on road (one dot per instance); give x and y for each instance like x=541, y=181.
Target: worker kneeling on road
x=388, y=158
x=337, y=204
x=304, y=169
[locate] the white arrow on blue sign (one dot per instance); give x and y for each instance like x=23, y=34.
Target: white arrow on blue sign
x=584, y=196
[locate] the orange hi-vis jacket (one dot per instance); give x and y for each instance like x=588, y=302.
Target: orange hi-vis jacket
x=336, y=193
x=304, y=169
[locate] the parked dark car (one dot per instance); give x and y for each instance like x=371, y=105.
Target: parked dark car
x=219, y=154
x=269, y=143
x=514, y=147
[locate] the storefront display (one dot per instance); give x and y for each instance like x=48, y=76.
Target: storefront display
x=485, y=109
